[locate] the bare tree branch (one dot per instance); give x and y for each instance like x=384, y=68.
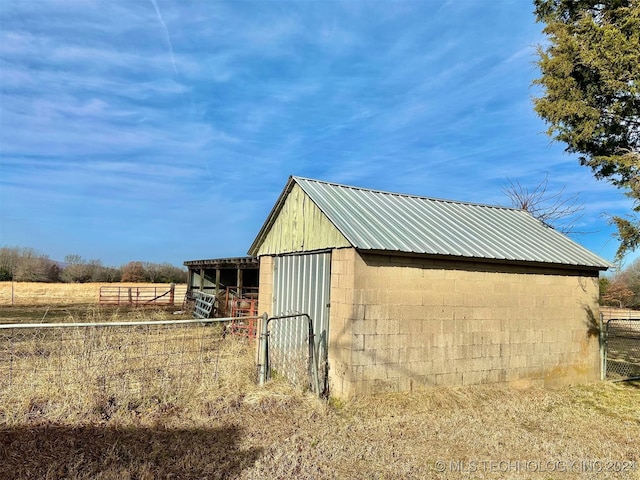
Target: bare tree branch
x=554, y=209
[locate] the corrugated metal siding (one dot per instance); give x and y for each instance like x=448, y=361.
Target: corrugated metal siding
x=300, y=226
x=374, y=220
x=301, y=284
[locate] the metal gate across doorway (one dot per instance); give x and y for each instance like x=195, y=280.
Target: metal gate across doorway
x=298, y=366
x=622, y=349
x=301, y=286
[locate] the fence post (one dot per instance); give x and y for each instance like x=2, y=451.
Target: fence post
x=603, y=352
x=264, y=335
x=313, y=359
x=172, y=294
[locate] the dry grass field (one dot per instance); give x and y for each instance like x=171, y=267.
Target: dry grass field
x=222, y=425
x=37, y=293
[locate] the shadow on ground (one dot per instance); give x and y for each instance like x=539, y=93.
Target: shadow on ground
x=111, y=452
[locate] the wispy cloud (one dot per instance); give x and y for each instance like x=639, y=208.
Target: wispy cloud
x=166, y=31
x=145, y=117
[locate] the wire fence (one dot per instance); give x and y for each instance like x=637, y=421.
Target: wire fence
x=155, y=359
x=623, y=348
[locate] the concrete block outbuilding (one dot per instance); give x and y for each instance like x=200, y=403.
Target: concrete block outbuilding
x=407, y=291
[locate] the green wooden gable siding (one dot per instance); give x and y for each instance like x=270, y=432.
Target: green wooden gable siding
x=300, y=226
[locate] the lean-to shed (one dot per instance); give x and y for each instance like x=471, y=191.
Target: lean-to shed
x=408, y=291
x=217, y=274
x=228, y=279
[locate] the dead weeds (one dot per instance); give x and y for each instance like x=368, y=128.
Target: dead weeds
x=27, y=294
x=281, y=432
x=228, y=427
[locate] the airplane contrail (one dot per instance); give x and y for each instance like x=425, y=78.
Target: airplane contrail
x=166, y=31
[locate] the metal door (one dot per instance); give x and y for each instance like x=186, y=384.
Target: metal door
x=301, y=285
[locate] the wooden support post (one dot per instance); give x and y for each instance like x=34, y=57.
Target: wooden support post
x=202, y=279
x=189, y=280
x=239, y=281
x=217, y=281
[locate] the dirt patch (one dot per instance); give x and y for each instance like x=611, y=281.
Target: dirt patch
x=88, y=452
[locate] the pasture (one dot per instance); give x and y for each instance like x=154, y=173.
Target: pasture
x=210, y=420
x=28, y=294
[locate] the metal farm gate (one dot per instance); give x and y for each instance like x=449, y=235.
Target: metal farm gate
x=301, y=286
x=137, y=296
x=622, y=349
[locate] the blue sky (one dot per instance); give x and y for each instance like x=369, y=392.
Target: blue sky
x=164, y=131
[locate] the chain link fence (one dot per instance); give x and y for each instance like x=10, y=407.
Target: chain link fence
x=622, y=359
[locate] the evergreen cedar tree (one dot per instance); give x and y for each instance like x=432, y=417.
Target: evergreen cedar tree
x=591, y=92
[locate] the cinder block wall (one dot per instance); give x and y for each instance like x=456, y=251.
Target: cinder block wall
x=265, y=294
x=265, y=289
x=400, y=322
x=341, y=367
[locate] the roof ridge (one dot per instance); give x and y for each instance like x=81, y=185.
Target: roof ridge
x=376, y=220
x=408, y=195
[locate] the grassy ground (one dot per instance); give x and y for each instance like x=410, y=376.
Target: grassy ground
x=227, y=427
x=38, y=293
x=280, y=433
x=85, y=313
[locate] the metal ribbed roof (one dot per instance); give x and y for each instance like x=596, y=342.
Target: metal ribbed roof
x=383, y=221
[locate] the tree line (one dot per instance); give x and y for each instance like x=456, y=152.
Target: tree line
x=590, y=95
x=590, y=99
x=24, y=264
x=622, y=289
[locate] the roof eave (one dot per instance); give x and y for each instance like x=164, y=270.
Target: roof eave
x=460, y=258
x=239, y=262
x=271, y=218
